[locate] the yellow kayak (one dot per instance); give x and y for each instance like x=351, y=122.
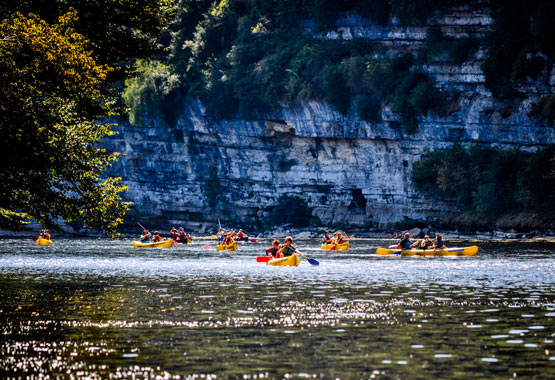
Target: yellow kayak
x=41, y=241
x=161, y=244
x=290, y=261
x=229, y=247
x=336, y=247
x=455, y=251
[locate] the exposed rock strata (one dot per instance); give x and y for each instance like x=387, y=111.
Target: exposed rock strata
x=349, y=171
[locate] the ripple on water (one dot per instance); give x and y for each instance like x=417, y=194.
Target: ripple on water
x=518, y=332
x=442, y=356
x=490, y=360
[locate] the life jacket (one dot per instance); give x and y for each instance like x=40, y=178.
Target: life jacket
x=288, y=251
x=439, y=244
x=340, y=241
x=405, y=243
x=272, y=251
x=425, y=244
x=156, y=238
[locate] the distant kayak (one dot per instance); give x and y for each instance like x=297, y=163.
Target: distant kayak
x=41, y=241
x=161, y=244
x=455, y=251
x=336, y=247
x=291, y=261
x=229, y=247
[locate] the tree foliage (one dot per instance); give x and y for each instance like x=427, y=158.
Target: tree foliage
x=489, y=183
x=54, y=103
x=116, y=31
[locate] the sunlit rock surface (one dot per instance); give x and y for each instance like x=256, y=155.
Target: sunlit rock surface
x=350, y=172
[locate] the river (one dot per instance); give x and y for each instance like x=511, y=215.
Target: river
x=99, y=309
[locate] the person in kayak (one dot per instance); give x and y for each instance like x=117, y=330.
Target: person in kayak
x=156, y=238
x=405, y=243
x=145, y=237
x=173, y=233
x=182, y=236
x=241, y=236
x=327, y=239
x=274, y=249
x=228, y=238
x=438, y=242
x=423, y=243
x=287, y=249
x=221, y=235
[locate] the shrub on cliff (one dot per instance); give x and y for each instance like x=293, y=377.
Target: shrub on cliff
x=489, y=184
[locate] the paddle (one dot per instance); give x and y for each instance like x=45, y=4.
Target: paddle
x=263, y=259
x=35, y=238
x=311, y=261
x=207, y=245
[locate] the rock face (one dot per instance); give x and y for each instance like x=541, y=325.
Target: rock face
x=350, y=172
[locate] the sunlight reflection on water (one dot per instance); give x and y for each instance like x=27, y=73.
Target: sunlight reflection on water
x=106, y=309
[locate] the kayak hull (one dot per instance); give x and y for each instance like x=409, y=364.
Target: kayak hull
x=455, y=251
x=161, y=244
x=230, y=247
x=289, y=261
x=41, y=241
x=336, y=247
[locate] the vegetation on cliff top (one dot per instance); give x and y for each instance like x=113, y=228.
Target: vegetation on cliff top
x=244, y=57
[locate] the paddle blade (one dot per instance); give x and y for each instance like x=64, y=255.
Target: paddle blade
x=312, y=261
x=253, y=240
x=263, y=259
x=35, y=238
x=333, y=248
x=207, y=245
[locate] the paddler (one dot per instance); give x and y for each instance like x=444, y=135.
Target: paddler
x=326, y=239
x=145, y=237
x=274, y=249
x=438, y=242
x=182, y=236
x=405, y=243
x=423, y=243
x=156, y=238
x=241, y=236
x=287, y=249
x=173, y=233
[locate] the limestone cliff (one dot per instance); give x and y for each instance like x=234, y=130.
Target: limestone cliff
x=350, y=172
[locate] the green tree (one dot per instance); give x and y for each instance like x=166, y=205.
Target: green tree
x=116, y=31
x=54, y=103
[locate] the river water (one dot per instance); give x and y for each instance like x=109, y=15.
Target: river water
x=102, y=309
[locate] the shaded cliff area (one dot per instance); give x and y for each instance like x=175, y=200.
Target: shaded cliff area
x=233, y=125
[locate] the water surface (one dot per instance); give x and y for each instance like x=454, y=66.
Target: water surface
x=103, y=309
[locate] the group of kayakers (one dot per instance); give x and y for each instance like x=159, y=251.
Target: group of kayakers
x=44, y=234
x=337, y=238
x=424, y=243
x=177, y=235
x=278, y=250
x=227, y=237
